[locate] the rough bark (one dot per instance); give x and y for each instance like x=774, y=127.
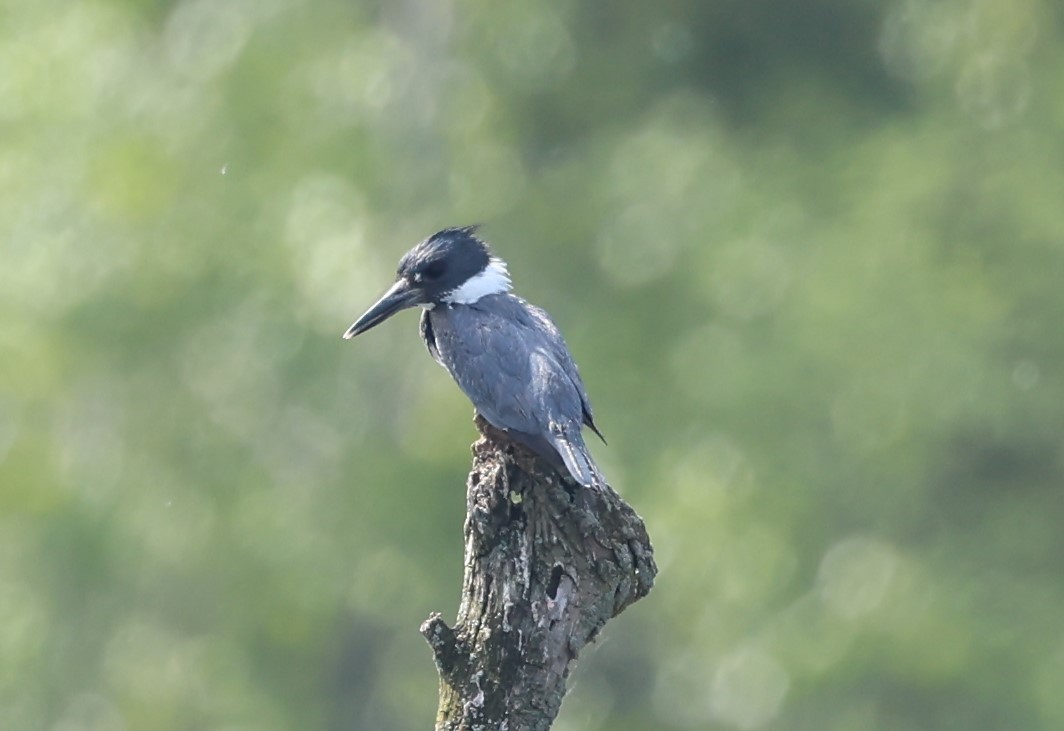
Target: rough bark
x=547, y=564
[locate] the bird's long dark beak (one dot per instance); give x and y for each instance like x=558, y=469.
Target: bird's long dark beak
x=399, y=297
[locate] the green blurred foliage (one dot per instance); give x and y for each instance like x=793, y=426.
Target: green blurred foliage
x=809, y=255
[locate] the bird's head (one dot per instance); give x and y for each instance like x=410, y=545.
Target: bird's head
x=452, y=266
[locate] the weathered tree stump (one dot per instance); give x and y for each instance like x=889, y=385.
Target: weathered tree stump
x=547, y=564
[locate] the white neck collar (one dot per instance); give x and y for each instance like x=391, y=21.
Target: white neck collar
x=493, y=280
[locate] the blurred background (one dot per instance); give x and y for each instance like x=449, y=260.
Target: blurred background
x=809, y=256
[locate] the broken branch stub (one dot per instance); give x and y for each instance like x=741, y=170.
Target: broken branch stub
x=547, y=564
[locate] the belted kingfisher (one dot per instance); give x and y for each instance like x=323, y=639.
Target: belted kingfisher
x=505, y=354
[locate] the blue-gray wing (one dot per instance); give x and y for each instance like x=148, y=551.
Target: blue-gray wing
x=561, y=353
x=511, y=366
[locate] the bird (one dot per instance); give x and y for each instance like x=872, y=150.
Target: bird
x=505, y=354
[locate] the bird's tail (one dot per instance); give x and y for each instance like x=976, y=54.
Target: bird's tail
x=577, y=459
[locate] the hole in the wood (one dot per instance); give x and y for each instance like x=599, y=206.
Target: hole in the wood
x=555, y=580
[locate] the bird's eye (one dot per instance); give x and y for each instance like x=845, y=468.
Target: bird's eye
x=434, y=270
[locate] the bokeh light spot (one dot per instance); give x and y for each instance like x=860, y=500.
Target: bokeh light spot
x=90, y=442
x=809, y=637
x=203, y=37
x=362, y=78
x=325, y=230
x=855, y=575
x=91, y=712
x=146, y=662
x=919, y=36
x=534, y=46
x=994, y=89
x=672, y=42
x=682, y=690
x=635, y=248
x=748, y=688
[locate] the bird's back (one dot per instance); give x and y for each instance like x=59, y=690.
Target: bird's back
x=512, y=362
